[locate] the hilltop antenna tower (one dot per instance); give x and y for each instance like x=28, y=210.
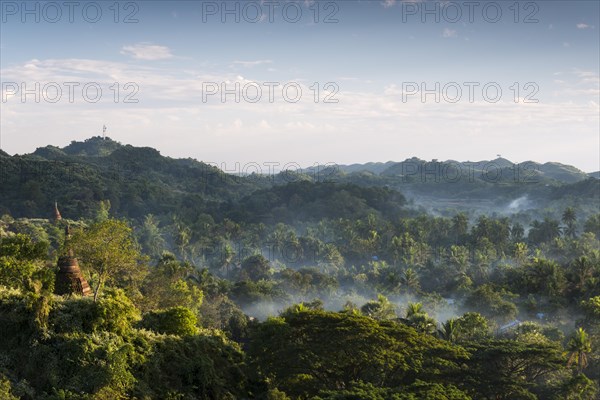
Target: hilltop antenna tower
x=104, y=132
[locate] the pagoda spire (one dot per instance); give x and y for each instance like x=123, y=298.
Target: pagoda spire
x=69, y=279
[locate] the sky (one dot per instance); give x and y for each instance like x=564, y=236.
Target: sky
x=306, y=82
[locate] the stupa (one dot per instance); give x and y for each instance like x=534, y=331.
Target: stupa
x=69, y=279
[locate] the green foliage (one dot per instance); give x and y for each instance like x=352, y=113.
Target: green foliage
x=6, y=389
x=96, y=363
x=472, y=326
x=249, y=293
x=532, y=331
x=544, y=232
x=491, y=303
x=381, y=309
x=192, y=367
x=113, y=313
x=593, y=225
x=22, y=263
x=108, y=252
x=75, y=314
x=544, y=277
x=592, y=308
x=255, y=268
x=116, y=312
x=449, y=330
x=18, y=326
x=307, y=282
x=276, y=394
x=507, y=369
x=306, y=351
x=90, y=351
x=416, y=391
x=315, y=201
x=579, y=346
x=580, y=387
x=174, y=321
x=171, y=283
x=417, y=318
x=328, y=243
x=103, y=212
x=151, y=238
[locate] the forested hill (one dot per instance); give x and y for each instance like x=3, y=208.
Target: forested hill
x=139, y=181
x=136, y=180
x=483, y=169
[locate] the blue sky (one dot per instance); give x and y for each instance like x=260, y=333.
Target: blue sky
x=371, y=54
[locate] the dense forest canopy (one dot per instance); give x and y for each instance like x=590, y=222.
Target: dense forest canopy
x=346, y=283
x=138, y=181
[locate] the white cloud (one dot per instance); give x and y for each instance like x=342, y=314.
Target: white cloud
x=171, y=99
x=248, y=64
x=147, y=51
x=449, y=33
x=577, y=84
x=585, y=26
x=388, y=3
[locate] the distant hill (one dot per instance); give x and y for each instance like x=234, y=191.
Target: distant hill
x=481, y=187
x=4, y=154
x=373, y=167
x=140, y=181
x=136, y=180
x=561, y=172
x=92, y=147
x=587, y=189
x=414, y=167
x=594, y=174
x=305, y=201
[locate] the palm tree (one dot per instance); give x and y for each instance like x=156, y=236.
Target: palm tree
x=183, y=235
x=422, y=322
x=459, y=258
x=418, y=319
x=414, y=308
x=380, y=309
x=151, y=237
x=579, y=346
x=542, y=232
x=393, y=281
x=569, y=217
x=520, y=253
x=449, y=330
x=517, y=232
x=583, y=271
x=410, y=279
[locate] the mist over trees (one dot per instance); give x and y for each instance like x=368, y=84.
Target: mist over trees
x=213, y=286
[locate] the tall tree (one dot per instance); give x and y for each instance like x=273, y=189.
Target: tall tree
x=579, y=347
x=410, y=280
x=449, y=330
x=520, y=253
x=380, y=309
x=151, y=237
x=304, y=351
x=569, y=218
x=109, y=252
